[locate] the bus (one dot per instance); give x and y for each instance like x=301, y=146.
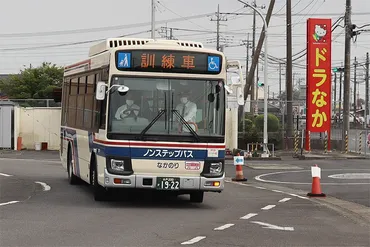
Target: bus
x=145, y=114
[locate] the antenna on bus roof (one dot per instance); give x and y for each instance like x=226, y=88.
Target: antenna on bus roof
x=153, y=19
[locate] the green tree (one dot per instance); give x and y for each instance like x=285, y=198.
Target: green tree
x=272, y=123
x=33, y=83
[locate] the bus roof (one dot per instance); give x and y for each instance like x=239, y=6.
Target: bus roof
x=113, y=43
x=99, y=53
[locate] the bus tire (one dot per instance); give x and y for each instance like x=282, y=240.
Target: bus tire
x=100, y=194
x=72, y=179
x=197, y=196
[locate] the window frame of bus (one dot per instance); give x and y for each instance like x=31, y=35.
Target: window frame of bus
x=177, y=70
x=98, y=108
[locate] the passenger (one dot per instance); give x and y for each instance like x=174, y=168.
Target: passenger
x=129, y=109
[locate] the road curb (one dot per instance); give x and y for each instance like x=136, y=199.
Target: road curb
x=356, y=212
x=302, y=157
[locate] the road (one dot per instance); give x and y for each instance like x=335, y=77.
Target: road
x=296, y=174
x=54, y=213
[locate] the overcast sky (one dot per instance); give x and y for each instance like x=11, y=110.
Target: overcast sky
x=29, y=24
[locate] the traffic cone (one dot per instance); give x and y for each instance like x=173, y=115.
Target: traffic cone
x=316, y=187
x=239, y=176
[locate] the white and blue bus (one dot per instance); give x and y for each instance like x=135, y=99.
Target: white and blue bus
x=145, y=114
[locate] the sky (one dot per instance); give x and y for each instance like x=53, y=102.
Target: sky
x=39, y=31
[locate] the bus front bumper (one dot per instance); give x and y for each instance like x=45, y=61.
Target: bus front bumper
x=150, y=182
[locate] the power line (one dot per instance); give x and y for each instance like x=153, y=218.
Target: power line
x=67, y=44
x=99, y=29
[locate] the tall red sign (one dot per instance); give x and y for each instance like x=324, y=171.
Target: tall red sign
x=318, y=115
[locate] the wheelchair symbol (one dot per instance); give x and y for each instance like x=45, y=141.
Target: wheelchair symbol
x=212, y=65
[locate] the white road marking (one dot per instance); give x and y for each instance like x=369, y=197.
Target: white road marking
x=302, y=197
x=260, y=177
x=33, y=160
x=268, y=207
x=5, y=175
x=278, y=191
x=248, y=216
x=274, y=227
x=44, y=186
x=351, y=176
x=258, y=187
x=285, y=199
x=248, y=185
x=220, y=228
x=7, y=203
x=194, y=240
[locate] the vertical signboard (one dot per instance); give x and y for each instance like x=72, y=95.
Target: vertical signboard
x=318, y=75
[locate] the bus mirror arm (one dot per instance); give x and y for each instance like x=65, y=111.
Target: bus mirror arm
x=101, y=90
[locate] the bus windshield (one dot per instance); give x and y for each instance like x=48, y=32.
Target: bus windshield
x=162, y=106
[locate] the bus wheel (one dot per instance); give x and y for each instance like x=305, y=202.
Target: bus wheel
x=197, y=196
x=100, y=194
x=72, y=179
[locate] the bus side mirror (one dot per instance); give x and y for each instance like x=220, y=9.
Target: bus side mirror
x=101, y=88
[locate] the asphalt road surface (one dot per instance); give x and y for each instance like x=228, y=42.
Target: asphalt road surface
x=347, y=180
x=39, y=208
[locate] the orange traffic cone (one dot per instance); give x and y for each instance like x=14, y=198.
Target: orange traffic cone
x=239, y=176
x=316, y=187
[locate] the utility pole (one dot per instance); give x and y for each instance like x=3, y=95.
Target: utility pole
x=254, y=87
x=367, y=106
x=218, y=19
x=347, y=72
x=289, y=72
x=247, y=45
x=355, y=86
x=340, y=94
x=250, y=78
x=335, y=91
x=153, y=19
x=282, y=109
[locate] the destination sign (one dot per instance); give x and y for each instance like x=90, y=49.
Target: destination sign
x=168, y=61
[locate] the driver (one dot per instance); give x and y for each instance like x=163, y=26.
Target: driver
x=187, y=109
x=129, y=109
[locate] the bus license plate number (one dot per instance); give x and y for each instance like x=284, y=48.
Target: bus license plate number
x=168, y=183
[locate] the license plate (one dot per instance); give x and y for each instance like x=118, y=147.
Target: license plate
x=168, y=183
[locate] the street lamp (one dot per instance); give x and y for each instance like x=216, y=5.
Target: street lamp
x=265, y=134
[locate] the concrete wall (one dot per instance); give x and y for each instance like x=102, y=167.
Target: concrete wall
x=37, y=125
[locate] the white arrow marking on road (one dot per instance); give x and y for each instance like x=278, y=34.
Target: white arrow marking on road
x=268, y=207
x=44, y=186
x=7, y=203
x=220, y=228
x=248, y=216
x=194, y=240
x=5, y=175
x=285, y=200
x=270, y=226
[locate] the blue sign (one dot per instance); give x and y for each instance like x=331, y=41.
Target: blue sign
x=213, y=63
x=124, y=60
x=238, y=160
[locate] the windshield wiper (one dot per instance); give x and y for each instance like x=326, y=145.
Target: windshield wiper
x=161, y=112
x=186, y=124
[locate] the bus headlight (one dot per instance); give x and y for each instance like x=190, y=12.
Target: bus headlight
x=216, y=168
x=117, y=165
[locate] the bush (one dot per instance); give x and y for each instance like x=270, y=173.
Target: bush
x=272, y=123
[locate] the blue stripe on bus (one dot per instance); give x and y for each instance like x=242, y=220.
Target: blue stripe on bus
x=154, y=153
x=142, y=153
